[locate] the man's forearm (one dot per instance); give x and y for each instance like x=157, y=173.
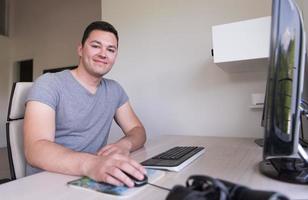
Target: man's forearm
x=50, y=156
x=53, y=157
x=134, y=139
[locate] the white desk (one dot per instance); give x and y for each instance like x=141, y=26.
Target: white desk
x=233, y=159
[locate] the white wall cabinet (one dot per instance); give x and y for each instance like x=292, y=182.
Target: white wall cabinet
x=242, y=46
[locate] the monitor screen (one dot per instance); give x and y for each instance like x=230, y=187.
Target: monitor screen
x=284, y=88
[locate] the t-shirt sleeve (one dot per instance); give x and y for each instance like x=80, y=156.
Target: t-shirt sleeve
x=44, y=91
x=123, y=98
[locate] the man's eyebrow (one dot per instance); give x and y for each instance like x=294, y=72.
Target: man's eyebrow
x=98, y=42
x=95, y=41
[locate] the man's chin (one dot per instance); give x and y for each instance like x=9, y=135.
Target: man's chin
x=100, y=74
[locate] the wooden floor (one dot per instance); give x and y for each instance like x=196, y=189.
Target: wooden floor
x=4, y=164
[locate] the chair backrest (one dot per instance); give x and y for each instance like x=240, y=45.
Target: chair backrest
x=14, y=129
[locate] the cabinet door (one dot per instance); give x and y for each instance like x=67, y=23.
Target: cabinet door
x=242, y=46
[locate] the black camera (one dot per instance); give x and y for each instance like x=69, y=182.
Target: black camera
x=200, y=187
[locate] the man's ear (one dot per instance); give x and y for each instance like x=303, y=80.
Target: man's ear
x=79, y=49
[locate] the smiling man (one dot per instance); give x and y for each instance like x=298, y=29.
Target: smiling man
x=69, y=115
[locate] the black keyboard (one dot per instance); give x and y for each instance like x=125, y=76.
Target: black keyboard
x=175, y=153
x=174, y=159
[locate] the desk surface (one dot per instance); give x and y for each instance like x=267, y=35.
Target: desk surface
x=233, y=159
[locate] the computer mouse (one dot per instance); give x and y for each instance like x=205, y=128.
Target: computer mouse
x=137, y=182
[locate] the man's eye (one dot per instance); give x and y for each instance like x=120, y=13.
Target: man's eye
x=95, y=46
x=111, y=50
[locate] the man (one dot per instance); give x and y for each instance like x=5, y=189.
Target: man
x=69, y=114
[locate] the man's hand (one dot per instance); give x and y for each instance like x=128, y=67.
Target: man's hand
x=113, y=148
x=111, y=168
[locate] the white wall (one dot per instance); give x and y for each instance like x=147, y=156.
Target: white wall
x=165, y=66
x=164, y=61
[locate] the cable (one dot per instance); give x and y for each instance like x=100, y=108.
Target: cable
x=302, y=129
x=160, y=187
x=302, y=138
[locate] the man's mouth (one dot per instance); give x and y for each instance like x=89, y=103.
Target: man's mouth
x=100, y=61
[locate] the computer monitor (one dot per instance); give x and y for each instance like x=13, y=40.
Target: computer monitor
x=284, y=158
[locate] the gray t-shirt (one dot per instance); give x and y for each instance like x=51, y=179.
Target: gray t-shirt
x=83, y=120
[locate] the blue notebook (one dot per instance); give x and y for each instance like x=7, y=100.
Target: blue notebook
x=89, y=184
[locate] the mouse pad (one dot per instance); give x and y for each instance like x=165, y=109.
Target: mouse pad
x=89, y=184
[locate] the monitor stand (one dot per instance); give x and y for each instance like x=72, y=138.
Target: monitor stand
x=259, y=142
x=292, y=170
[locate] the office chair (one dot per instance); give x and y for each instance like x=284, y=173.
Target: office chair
x=14, y=129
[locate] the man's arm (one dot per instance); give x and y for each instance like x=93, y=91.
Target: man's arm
x=41, y=151
x=133, y=129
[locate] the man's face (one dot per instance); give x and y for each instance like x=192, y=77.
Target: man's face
x=98, y=53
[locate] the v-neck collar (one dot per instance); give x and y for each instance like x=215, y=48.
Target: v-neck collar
x=78, y=84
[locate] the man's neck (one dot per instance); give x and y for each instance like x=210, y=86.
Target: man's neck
x=86, y=80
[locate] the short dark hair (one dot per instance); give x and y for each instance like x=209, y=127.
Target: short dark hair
x=99, y=25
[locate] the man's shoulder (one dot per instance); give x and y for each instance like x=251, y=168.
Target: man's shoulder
x=52, y=77
x=110, y=82
x=113, y=87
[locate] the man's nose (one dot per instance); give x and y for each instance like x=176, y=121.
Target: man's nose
x=102, y=53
